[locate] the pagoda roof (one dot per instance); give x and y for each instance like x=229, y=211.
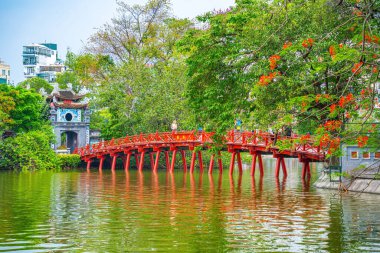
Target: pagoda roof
x=71, y=105
x=66, y=95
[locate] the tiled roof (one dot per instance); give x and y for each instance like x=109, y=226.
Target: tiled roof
x=71, y=105
x=66, y=95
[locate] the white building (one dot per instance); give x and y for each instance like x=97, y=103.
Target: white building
x=41, y=60
x=5, y=73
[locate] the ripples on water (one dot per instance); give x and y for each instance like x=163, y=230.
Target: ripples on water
x=118, y=212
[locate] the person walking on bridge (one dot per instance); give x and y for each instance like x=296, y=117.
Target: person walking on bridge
x=174, y=126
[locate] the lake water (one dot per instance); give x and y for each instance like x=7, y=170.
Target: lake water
x=179, y=212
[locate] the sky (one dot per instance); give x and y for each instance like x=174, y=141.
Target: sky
x=69, y=23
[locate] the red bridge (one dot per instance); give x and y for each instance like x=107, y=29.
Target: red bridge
x=256, y=143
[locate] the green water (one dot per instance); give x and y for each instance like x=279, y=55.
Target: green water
x=119, y=212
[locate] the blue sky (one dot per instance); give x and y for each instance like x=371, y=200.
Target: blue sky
x=68, y=23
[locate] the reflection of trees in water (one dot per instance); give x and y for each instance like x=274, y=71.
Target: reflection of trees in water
x=114, y=211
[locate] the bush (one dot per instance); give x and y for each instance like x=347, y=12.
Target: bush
x=29, y=151
x=69, y=161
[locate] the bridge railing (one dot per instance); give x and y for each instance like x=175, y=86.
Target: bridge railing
x=254, y=138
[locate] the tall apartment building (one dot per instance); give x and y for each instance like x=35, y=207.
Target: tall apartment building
x=5, y=73
x=41, y=60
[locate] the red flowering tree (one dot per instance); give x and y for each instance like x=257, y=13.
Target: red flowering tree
x=310, y=65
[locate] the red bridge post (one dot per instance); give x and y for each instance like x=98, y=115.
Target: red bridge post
x=253, y=165
x=173, y=160
x=211, y=166
x=232, y=163
x=220, y=163
x=151, y=159
x=280, y=163
x=155, y=169
x=240, y=165
x=141, y=162
x=137, y=160
x=101, y=162
x=114, y=158
x=127, y=161
x=184, y=164
x=306, y=169
x=257, y=156
x=89, y=165
x=192, y=163
x=167, y=160
x=200, y=160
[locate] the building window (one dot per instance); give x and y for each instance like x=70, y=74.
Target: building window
x=68, y=117
x=366, y=155
x=354, y=155
x=3, y=72
x=377, y=155
x=30, y=70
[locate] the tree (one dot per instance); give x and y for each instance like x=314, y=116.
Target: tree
x=25, y=110
x=7, y=104
x=134, y=29
x=276, y=63
x=142, y=90
x=29, y=151
x=84, y=71
x=25, y=113
x=36, y=84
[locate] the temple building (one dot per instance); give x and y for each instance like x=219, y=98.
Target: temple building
x=70, y=117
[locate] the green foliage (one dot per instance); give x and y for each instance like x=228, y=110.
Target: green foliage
x=276, y=64
x=29, y=151
x=71, y=161
x=7, y=104
x=36, y=84
x=25, y=111
x=134, y=72
x=84, y=70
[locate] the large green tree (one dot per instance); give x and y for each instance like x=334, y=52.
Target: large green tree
x=140, y=87
x=278, y=63
x=24, y=110
x=25, y=113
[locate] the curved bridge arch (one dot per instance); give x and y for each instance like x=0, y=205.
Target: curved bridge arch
x=256, y=143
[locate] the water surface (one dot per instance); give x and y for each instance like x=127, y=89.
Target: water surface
x=179, y=212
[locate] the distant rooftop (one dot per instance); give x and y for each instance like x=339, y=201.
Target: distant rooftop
x=3, y=63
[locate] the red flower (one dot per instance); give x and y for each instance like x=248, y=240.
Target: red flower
x=343, y=101
x=375, y=70
x=362, y=141
x=356, y=68
x=332, y=125
x=273, y=61
x=332, y=108
x=286, y=45
x=325, y=140
x=317, y=98
x=265, y=80
x=332, y=51
x=375, y=39
x=308, y=43
x=367, y=38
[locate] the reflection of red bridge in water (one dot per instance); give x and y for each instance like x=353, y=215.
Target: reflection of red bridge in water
x=256, y=143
